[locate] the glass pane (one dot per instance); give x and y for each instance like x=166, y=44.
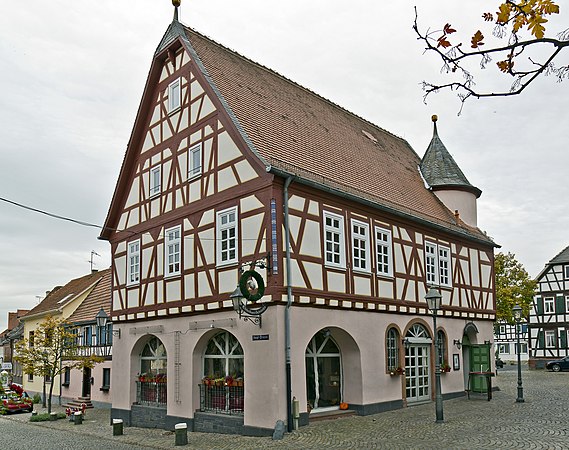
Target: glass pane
x=310, y=382
x=329, y=381
x=236, y=367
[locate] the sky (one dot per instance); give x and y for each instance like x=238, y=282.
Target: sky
x=73, y=73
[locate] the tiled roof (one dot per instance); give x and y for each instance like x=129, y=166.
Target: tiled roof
x=298, y=132
x=561, y=257
x=440, y=169
x=100, y=297
x=60, y=296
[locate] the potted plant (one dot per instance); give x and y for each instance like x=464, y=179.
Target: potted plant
x=445, y=367
x=397, y=371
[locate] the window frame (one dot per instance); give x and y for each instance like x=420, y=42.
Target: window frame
x=550, y=334
x=440, y=274
x=220, y=228
x=447, y=267
x=130, y=255
x=392, y=349
x=548, y=305
x=174, y=106
x=387, y=244
x=106, y=377
x=441, y=347
x=168, y=244
x=431, y=276
x=340, y=232
x=502, y=329
x=66, y=377
x=363, y=245
x=154, y=188
x=566, y=270
x=195, y=172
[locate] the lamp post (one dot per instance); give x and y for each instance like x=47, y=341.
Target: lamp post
x=517, y=311
x=433, y=298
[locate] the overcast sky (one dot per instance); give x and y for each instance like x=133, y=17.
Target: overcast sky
x=72, y=75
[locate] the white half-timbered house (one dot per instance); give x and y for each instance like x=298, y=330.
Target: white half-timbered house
x=549, y=315
x=334, y=229
x=505, y=342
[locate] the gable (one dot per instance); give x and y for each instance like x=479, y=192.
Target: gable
x=164, y=143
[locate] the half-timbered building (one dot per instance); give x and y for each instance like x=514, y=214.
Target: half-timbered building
x=549, y=315
x=505, y=342
x=243, y=191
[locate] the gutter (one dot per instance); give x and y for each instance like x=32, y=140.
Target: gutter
x=287, y=309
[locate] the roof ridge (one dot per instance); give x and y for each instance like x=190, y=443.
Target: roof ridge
x=310, y=91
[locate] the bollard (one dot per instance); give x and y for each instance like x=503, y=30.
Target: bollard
x=117, y=427
x=53, y=416
x=78, y=418
x=181, y=433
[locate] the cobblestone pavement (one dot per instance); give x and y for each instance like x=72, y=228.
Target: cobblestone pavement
x=542, y=422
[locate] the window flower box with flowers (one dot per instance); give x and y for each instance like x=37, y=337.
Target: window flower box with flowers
x=222, y=395
x=152, y=389
x=445, y=367
x=395, y=371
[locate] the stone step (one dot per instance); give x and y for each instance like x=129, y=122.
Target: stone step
x=331, y=415
x=78, y=403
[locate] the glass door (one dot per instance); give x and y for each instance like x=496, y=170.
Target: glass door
x=323, y=373
x=417, y=378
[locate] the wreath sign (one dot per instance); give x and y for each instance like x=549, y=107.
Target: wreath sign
x=252, y=285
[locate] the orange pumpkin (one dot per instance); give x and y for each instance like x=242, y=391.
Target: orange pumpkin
x=343, y=405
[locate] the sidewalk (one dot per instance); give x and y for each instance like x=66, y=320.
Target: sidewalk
x=540, y=422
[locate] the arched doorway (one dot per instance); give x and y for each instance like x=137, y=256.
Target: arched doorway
x=323, y=372
x=151, y=385
x=417, y=364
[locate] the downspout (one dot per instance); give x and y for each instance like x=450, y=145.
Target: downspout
x=287, y=309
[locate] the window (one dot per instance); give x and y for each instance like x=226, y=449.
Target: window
x=174, y=95
x=153, y=359
x=334, y=240
x=566, y=271
x=567, y=303
x=223, y=356
x=31, y=339
x=523, y=347
x=30, y=377
x=172, y=244
x=360, y=246
x=195, y=161
x=437, y=264
x=155, y=180
x=550, y=341
x=87, y=336
x=106, y=379
x=227, y=236
x=66, y=377
x=503, y=349
x=549, y=305
x=133, y=259
x=392, y=344
x=383, y=251
x=502, y=329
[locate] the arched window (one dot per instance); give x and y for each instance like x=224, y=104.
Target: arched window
x=223, y=357
x=153, y=359
x=392, y=349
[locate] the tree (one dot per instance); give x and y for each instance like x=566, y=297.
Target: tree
x=54, y=348
x=527, y=53
x=513, y=286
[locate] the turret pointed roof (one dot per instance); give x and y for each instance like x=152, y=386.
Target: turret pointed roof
x=440, y=170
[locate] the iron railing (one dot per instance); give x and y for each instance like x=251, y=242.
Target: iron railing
x=222, y=399
x=151, y=393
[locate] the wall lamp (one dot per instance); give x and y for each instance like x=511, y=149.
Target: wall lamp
x=406, y=343
x=458, y=343
x=102, y=319
x=246, y=313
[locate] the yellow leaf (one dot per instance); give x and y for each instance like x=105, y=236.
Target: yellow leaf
x=503, y=15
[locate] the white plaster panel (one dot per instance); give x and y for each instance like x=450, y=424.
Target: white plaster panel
x=486, y=271
x=197, y=89
x=333, y=302
x=294, y=228
x=320, y=301
x=398, y=256
x=145, y=267
x=474, y=262
x=404, y=235
x=133, y=193
x=120, y=264
x=313, y=208
x=464, y=268
x=160, y=258
x=336, y=281
x=227, y=281
x=226, y=179
x=155, y=207
x=400, y=284
x=156, y=134
x=245, y=171
x=184, y=123
x=250, y=203
x=295, y=202
x=484, y=257
x=149, y=296
x=385, y=289
x=362, y=285
x=227, y=150
x=408, y=250
x=296, y=275
x=419, y=238
x=132, y=298
x=123, y=221
x=116, y=300
x=194, y=109
x=168, y=203
x=133, y=218
x=173, y=290
x=314, y=273
x=166, y=131
x=311, y=239
x=164, y=73
x=251, y=229
x=160, y=291
x=195, y=190
x=206, y=146
x=189, y=248
x=195, y=137
x=210, y=186
x=207, y=107
x=189, y=287
x=410, y=294
x=203, y=285
x=207, y=239
x=207, y=218
x=148, y=143
x=121, y=247
x=396, y=233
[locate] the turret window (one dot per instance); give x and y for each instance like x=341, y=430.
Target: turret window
x=174, y=95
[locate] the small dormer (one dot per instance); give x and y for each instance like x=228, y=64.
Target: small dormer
x=446, y=180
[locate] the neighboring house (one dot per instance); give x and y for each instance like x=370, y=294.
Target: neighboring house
x=227, y=161
x=60, y=303
x=95, y=383
x=505, y=342
x=8, y=339
x=549, y=315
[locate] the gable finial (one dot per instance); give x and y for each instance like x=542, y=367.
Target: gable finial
x=176, y=4
x=434, y=118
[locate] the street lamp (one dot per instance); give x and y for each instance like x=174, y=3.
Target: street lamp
x=433, y=298
x=102, y=319
x=517, y=311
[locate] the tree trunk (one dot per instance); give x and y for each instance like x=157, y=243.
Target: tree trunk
x=43, y=396
x=50, y=395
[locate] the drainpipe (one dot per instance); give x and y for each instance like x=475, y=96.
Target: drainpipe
x=287, y=309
